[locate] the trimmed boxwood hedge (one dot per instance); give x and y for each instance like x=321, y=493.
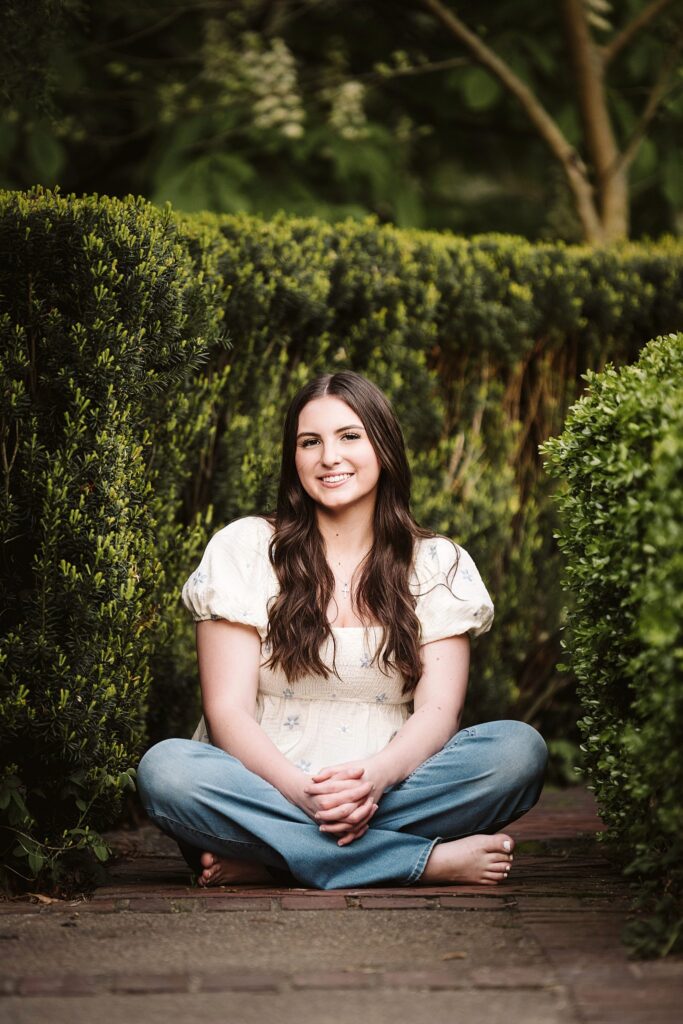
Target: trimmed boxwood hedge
x=101, y=321
x=621, y=459
x=480, y=344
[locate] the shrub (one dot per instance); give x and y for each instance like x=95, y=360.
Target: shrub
x=480, y=344
x=131, y=430
x=96, y=296
x=621, y=458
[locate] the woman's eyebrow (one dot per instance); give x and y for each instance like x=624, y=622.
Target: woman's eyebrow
x=339, y=430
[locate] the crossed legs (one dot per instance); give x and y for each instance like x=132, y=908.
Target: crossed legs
x=441, y=824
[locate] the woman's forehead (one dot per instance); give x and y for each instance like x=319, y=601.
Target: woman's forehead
x=328, y=412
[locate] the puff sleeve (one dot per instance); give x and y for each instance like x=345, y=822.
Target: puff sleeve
x=234, y=578
x=451, y=599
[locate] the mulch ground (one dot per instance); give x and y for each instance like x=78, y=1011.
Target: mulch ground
x=566, y=903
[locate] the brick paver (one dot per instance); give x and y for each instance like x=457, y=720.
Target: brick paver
x=551, y=931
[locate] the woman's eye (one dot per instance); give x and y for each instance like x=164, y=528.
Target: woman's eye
x=309, y=442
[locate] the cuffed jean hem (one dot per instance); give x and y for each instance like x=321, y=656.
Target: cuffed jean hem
x=205, y=840
x=421, y=863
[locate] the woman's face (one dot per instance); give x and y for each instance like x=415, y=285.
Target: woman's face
x=336, y=463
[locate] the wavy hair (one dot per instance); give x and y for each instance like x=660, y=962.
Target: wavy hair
x=297, y=616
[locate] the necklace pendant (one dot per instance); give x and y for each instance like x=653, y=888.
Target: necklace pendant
x=345, y=589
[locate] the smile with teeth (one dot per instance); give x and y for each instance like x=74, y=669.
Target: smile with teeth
x=334, y=479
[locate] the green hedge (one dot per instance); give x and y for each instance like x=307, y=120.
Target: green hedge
x=621, y=457
x=100, y=322
x=480, y=344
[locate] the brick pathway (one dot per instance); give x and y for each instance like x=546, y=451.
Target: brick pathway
x=543, y=946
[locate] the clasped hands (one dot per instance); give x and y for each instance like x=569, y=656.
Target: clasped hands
x=343, y=798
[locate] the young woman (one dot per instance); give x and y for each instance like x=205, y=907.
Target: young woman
x=333, y=649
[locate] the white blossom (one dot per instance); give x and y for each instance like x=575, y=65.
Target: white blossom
x=272, y=81
x=347, y=115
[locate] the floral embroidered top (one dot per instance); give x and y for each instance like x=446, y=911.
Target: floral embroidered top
x=316, y=721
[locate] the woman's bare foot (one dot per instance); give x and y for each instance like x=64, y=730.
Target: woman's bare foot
x=477, y=860
x=226, y=871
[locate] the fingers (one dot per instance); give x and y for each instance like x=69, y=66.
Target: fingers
x=335, y=816
x=349, y=811
x=334, y=785
x=345, y=795
x=338, y=770
x=362, y=815
x=345, y=818
x=349, y=838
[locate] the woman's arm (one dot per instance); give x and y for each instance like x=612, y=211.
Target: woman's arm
x=229, y=656
x=438, y=701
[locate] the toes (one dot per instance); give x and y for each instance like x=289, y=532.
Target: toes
x=500, y=844
x=497, y=869
x=498, y=874
x=207, y=860
x=507, y=843
x=209, y=875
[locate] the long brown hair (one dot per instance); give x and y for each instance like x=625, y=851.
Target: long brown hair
x=297, y=616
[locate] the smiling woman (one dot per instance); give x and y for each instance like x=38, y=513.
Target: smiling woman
x=335, y=455
x=333, y=659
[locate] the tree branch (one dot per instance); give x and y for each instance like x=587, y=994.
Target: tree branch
x=629, y=31
x=417, y=69
x=571, y=162
x=657, y=94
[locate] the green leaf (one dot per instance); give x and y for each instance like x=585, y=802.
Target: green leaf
x=480, y=90
x=35, y=861
x=19, y=803
x=214, y=182
x=101, y=852
x=47, y=155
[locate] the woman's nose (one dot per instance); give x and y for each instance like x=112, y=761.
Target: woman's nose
x=330, y=455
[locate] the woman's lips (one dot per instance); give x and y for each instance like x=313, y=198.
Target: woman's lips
x=335, y=479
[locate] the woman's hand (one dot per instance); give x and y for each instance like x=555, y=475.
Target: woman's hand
x=348, y=796
x=348, y=799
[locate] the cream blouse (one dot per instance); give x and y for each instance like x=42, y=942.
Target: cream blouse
x=314, y=721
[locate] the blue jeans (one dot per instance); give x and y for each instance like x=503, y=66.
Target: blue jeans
x=481, y=780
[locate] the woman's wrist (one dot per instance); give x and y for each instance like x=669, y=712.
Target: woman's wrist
x=381, y=770
x=293, y=784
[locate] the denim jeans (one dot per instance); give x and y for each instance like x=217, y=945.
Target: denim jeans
x=484, y=778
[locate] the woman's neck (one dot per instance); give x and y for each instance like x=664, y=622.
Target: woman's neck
x=349, y=533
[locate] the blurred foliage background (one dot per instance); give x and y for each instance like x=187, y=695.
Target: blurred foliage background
x=341, y=107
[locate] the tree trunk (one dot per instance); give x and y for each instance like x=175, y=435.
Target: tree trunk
x=611, y=179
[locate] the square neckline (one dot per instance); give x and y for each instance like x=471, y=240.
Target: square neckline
x=336, y=628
